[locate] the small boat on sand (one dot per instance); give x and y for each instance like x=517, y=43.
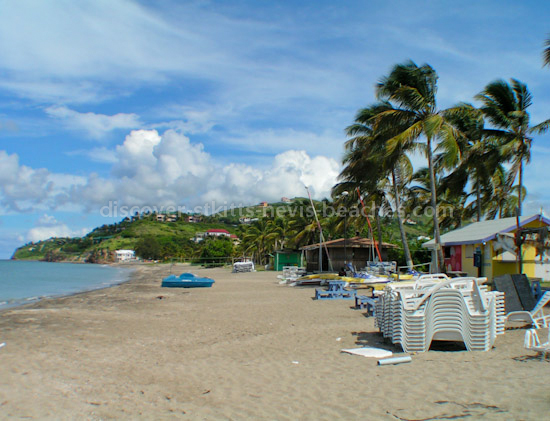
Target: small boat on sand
x=186, y=280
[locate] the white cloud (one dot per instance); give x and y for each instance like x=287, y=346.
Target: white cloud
x=152, y=169
x=80, y=51
x=47, y=227
x=73, y=52
x=94, y=125
x=155, y=170
x=287, y=175
x=24, y=189
x=106, y=28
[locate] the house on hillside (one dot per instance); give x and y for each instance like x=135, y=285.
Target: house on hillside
x=193, y=218
x=124, y=255
x=199, y=236
x=166, y=217
x=247, y=220
x=216, y=232
x=356, y=250
x=487, y=248
x=171, y=217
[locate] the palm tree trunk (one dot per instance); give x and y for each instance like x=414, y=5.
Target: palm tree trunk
x=378, y=226
x=519, y=256
x=478, y=194
x=437, y=236
x=520, y=186
x=406, y=250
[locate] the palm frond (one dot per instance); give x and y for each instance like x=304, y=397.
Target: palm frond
x=546, y=53
x=405, y=139
x=541, y=127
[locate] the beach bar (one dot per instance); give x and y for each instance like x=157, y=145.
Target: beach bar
x=487, y=248
x=355, y=250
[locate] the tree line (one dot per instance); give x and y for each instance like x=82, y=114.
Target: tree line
x=475, y=156
x=475, y=159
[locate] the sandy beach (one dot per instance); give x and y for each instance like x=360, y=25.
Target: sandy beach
x=247, y=348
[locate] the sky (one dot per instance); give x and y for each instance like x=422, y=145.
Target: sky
x=111, y=107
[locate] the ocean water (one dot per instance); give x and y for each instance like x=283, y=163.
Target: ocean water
x=22, y=282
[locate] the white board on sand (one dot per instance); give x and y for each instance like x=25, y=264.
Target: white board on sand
x=369, y=352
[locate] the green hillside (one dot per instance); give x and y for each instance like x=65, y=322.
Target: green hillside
x=260, y=229
x=174, y=238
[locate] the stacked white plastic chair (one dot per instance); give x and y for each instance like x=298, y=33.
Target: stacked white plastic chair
x=438, y=308
x=243, y=267
x=291, y=273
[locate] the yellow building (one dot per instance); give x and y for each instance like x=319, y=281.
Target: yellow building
x=487, y=248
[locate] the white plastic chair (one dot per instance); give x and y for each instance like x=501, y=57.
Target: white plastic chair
x=535, y=317
x=459, y=309
x=533, y=343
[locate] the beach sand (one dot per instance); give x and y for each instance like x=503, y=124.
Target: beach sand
x=247, y=348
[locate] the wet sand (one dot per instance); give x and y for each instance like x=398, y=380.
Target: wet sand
x=247, y=348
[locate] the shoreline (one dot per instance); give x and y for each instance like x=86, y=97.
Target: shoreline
x=247, y=348
x=33, y=300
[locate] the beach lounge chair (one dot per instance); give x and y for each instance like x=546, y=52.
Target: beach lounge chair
x=535, y=317
x=533, y=343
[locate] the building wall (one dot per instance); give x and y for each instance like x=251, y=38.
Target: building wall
x=528, y=256
x=468, y=259
x=489, y=261
x=287, y=259
x=493, y=265
x=453, y=262
x=358, y=256
x=122, y=255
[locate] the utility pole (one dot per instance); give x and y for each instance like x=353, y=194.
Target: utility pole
x=343, y=195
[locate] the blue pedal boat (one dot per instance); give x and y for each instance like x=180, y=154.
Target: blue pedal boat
x=186, y=280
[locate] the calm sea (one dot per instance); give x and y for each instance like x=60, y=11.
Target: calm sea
x=22, y=282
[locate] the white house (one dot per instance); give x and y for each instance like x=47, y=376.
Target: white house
x=125, y=255
x=218, y=233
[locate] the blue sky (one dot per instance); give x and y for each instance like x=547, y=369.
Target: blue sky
x=173, y=103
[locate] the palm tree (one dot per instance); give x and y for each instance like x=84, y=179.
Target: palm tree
x=258, y=240
x=476, y=158
x=375, y=199
x=413, y=90
x=546, y=53
x=401, y=173
x=279, y=231
x=505, y=106
x=369, y=163
x=500, y=200
x=451, y=205
x=303, y=227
